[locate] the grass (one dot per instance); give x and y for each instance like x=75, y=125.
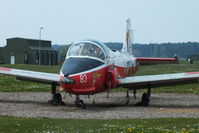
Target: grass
x=45, y=125
x=42, y=68
x=9, y=83
x=183, y=66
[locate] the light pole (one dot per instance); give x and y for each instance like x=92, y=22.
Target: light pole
x=40, y=43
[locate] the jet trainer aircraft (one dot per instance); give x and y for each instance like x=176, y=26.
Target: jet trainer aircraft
x=91, y=67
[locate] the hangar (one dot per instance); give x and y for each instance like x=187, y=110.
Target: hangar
x=28, y=51
x=1, y=55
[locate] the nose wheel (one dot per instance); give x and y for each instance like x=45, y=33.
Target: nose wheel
x=79, y=103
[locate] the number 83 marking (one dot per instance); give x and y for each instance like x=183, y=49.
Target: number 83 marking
x=83, y=78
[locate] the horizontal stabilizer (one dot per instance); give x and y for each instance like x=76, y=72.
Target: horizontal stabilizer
x=153, y=61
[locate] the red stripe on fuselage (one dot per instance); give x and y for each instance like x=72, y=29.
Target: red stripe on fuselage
x=155, y=59
x=190, y=73
x=5, y=69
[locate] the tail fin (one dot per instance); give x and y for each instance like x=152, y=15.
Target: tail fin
x=127, y=46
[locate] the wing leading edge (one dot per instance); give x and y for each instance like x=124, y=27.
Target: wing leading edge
x=139, y=82
x=39, y=77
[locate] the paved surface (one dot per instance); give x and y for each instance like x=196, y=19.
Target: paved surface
x=35, y=104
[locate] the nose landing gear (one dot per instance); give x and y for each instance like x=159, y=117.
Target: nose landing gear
x=79, y=103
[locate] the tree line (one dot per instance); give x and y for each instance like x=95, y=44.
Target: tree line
x=182, y=50
x=166, y=50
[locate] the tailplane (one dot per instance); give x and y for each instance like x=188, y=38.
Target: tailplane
x=127, y=46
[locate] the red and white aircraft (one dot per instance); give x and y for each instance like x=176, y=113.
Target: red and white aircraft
x=91, y=67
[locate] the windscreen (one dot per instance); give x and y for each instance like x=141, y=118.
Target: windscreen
x=86, y=49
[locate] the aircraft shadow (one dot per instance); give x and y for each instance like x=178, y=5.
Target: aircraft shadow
x=23, y=102
x=137, y=106
x=101, y=105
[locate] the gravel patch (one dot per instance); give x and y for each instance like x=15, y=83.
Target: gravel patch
x=35, y=104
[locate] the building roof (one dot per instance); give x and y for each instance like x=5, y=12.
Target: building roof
x=27, y=39
x=34, y=43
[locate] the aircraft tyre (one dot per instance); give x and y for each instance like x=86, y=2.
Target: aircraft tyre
x=145, y=99
x=57, y=99
x=80, y=103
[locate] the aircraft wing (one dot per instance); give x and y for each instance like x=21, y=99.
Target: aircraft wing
x=39, y=77
x=139, y=82
x=153, y=61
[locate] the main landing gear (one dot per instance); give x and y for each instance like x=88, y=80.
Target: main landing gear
x=128, y=97
x=145, y=97
x=56, y=97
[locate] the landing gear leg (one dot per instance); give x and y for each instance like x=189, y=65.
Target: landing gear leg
x=127, y=97
x=56, y=97
x=149, y=92
x=134, y=92
x=79, y=103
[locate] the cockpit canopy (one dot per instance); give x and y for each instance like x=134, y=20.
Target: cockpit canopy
x=86, y=49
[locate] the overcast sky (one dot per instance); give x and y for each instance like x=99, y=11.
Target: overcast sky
x=65, y=21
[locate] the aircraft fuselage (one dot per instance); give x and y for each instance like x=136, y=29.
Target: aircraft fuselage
x=84, y=73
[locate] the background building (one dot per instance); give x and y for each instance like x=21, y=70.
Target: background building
x=1, y=55
x=26, y=51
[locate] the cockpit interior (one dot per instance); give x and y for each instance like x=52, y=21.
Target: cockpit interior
x=86, y=49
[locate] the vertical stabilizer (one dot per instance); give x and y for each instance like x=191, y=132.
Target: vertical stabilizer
x=127, y=47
